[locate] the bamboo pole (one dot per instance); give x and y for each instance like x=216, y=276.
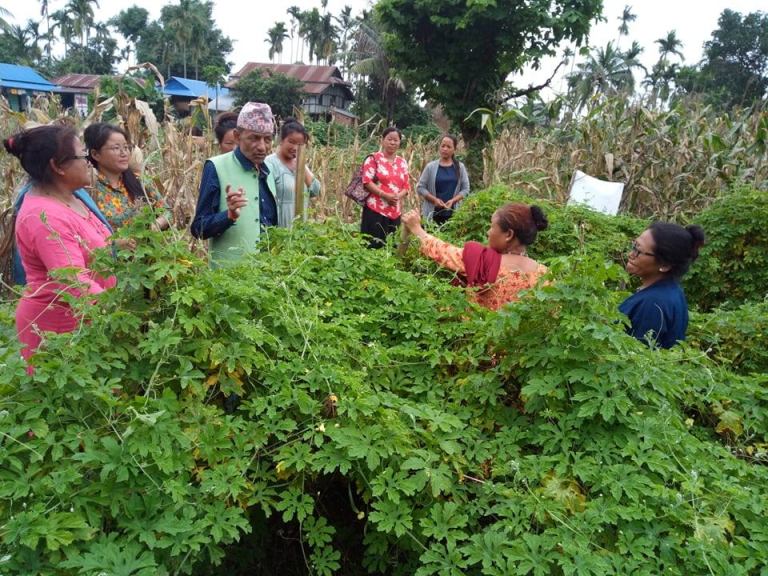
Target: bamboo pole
x=301, y=162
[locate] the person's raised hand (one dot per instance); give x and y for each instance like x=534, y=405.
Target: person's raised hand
x=235, y=200
x=412, y=221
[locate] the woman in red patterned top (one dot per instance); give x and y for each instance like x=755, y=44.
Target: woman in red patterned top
x=499, y=271
x=386, y=178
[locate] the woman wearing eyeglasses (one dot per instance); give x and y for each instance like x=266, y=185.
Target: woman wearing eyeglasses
x=117, y=190
x=54, y=229
x=660, y=257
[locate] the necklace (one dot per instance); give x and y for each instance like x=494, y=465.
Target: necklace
x=519, y=253
x=72, y=203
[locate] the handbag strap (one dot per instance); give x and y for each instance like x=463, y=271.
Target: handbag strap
x=375, y=164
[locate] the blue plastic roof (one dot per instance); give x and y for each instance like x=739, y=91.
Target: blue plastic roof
x=24, y=77
x=191, y=88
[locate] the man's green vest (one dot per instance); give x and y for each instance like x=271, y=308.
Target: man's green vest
x=242, y=237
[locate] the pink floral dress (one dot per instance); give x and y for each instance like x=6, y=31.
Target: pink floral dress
x=391, y=177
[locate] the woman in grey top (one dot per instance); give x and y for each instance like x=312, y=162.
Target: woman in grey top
x=282, y=166
x=443, y=183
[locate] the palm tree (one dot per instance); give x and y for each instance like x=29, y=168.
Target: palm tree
x=64, y=23
x=370, y=59
x=295, y=13
x=48, y=36
x=186, y=24
x=4, y=25
x=670, y=44
x=23, y=43
x=346, y=22
x=327, y=38
x=83, y=18
x=275, y=37
x=626, y=17
x=309, y=29
x=663, y=74
x=606, y=71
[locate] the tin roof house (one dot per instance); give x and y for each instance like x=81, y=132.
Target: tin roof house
x=74, y=90
x=19, y=84
x=327, y=95
x=183, y=90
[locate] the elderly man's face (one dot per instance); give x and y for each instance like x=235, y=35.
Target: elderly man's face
x=254, y=145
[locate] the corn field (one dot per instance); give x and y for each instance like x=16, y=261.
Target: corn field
x=673, y=162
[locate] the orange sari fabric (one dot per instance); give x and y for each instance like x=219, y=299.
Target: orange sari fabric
x=493, y=296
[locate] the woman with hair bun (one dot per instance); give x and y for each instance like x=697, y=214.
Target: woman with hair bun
x=54, y=229
x=660, y=257
x=118, y=192
x=500, y=270
x=282, y=166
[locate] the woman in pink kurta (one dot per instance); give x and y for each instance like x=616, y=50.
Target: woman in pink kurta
x=499, y=271
x=54, y=230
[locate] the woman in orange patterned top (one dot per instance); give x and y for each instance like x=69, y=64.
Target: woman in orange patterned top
x=499, y=271
x=117, y=191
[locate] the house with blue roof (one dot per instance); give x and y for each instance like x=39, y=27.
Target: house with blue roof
x=19, y=84
x=183, y=90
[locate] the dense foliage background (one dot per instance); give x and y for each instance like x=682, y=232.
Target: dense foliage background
x=382, y=423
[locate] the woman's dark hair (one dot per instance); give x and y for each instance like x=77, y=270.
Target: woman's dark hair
x=675, y=246
x=293, y=126
x=224, y=123
x=36, y=148
x=525, y=221
x=389, y=129
x=95, y=136
x=455, y=141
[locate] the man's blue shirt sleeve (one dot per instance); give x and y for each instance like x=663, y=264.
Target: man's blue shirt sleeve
x=209, y=220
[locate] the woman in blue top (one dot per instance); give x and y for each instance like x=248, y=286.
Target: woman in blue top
x=660, y=256
x=443, y=183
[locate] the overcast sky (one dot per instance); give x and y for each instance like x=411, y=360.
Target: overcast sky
x=247, y=23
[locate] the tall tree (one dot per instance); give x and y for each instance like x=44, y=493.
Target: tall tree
x=309, y=29
x=98, y=57
x=663, y=73
x=370, y=60
x=460, y=53
x=4, y=16
x=186, y=22
x=184, y=34
x=82, y=18
x=328, y=37
x=734, y=71
x=670, y=45
x=605, y=72
x=295, y=13
x=131, y=23
x=65, y=25
x=20, y=44
x=44, y=13
x=275, y=37
x=626, y=17
x=346, y=24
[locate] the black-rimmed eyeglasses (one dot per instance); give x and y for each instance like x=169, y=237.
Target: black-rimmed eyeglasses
x=634, y=251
